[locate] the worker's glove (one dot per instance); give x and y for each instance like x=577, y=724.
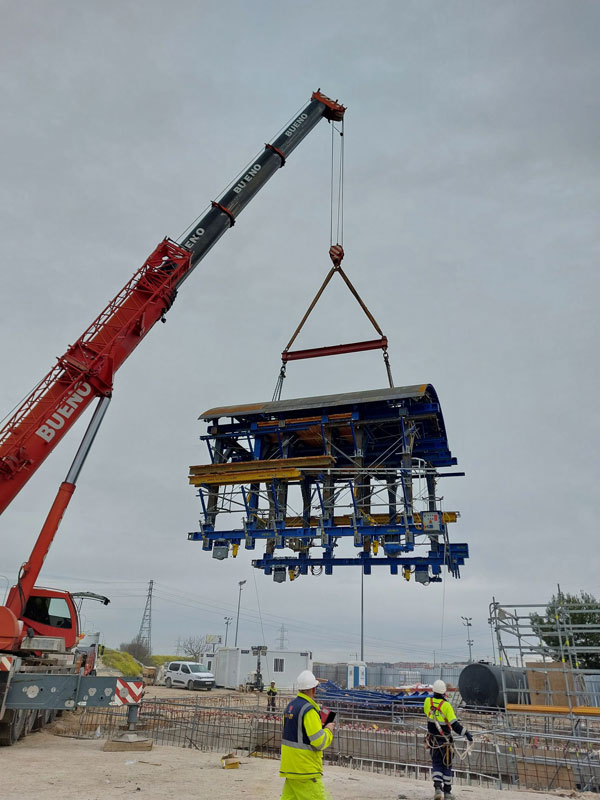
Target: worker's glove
x=469, y=736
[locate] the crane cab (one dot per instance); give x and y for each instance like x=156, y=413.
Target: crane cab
x=51, y=613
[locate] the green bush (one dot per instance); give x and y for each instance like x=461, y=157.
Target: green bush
x=117, y=659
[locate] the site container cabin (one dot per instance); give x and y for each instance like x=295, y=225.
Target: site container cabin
x=233, y=665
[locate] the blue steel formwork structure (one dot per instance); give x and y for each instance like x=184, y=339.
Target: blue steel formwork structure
x=306, y=475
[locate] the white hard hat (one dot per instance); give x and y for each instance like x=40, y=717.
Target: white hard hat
x=439, y=687
x=306, y=680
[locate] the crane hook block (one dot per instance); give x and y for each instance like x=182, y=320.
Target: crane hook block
x=336, y=254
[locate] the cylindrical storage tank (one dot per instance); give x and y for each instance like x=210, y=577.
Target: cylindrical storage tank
x=482, y=685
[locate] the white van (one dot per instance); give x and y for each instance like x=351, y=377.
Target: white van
x=188, y=675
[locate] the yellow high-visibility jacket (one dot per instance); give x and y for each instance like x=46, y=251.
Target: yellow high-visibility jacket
x=304, y=739
x=441, y=718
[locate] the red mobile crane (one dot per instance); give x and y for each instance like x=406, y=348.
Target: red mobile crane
x=85, y=372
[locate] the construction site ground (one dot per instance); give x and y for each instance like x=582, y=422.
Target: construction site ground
x=48, y=766
x=203, y=696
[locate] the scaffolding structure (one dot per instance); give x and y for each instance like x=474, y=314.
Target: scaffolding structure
x=549, y=657
x=311, y=474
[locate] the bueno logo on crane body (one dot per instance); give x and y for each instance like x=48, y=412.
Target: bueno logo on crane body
x=54, y=423
x=193, y=237
x=296, y=124
x=246, y=179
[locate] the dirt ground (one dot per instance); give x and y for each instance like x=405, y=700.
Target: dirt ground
x=48, y=767
x=184, y=694
x=235, y=698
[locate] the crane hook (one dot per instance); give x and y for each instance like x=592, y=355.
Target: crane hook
x=336, y=254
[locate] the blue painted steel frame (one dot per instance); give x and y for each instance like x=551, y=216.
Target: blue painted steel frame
x=394, y=436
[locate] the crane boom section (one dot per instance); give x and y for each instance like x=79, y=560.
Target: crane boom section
x=87, y=369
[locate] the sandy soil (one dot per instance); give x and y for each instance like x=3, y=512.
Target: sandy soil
x=216, y=696
x=48, y=767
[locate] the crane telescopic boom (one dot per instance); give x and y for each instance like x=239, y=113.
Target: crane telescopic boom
x=87, y=369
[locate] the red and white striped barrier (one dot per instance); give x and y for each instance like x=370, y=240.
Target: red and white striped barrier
x=128, y=692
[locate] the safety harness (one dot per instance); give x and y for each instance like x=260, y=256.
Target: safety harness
x=432, y=742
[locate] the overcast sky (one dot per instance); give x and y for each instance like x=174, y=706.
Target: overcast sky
x=471, y=229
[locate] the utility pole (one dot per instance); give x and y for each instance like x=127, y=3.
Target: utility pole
x=145, y=633
x=467, y=624
x=282, y=637
x=227, y=624
x=237, y=621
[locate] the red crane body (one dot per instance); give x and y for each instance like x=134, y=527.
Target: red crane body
x=87, y=369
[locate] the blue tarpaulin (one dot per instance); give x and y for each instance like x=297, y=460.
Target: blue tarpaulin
x=329, y=693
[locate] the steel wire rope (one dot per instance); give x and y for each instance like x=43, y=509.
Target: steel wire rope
x=331, y=186
x=339, y=234
x=337, y=202
x=340, y=220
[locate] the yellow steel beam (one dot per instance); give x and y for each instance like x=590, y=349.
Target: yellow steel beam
x=376, y=519
x=302, y=462
x=255, y=476
x=582, y=711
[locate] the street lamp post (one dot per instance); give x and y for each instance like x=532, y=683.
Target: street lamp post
x=237, y=621
x=467, y=624
x=362, y=614
x=227, y=624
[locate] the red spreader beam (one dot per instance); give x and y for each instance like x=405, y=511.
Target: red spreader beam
x=335, y=350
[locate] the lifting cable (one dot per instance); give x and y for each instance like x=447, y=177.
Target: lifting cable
x=336, y=254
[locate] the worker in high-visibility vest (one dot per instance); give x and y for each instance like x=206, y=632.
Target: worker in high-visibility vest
x=441, y=721
x=271, y=695
x=303, y=741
